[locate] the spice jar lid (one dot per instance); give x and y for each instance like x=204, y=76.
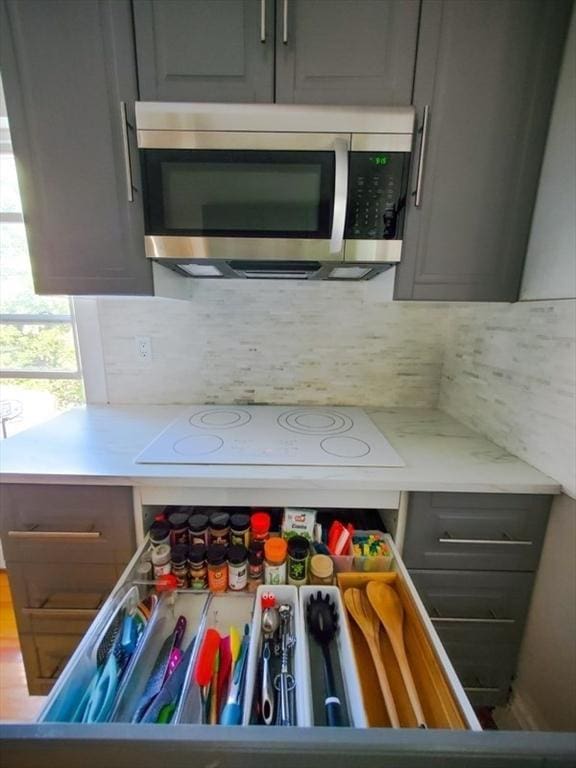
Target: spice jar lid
x=237, y=554
x=178, y=519
x=298, y=547
x=216, y=554
x=260, y=522
x=219, y=520
x=161, y=554
x=198, y=522
x=159, y=530
x=239, y=521
x=275, y=550
x=322, y=566
x=197, y=553
x=179, y=553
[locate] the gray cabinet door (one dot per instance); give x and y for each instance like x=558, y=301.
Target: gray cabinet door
x=66, y=68
x=487, y=70
x=205, y=50
x=345, y=51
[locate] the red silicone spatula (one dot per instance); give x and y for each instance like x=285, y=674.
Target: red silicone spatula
x=205, y=664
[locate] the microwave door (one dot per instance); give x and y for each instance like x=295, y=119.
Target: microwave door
x=248, y=204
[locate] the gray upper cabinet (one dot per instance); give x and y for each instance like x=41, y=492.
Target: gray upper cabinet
x=487, y=70
x=346, y=51
x=205, y=50
x=66, y=68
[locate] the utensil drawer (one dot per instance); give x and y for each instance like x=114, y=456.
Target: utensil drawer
x=474, y=603
x=66, y=523
x=220, y=615
x=478, y=532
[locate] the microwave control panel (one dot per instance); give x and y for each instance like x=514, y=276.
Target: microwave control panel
x=377, y=184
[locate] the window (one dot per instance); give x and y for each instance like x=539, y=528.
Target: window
x=39, y=369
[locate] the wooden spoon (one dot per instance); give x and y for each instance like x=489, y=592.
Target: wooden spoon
x=389, y=610
x=359, y=608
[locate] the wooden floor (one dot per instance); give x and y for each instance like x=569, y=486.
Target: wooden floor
x=15, y=703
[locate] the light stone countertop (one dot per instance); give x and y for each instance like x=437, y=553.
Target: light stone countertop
x=97, y=444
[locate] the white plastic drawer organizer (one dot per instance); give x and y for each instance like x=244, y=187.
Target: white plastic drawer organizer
x=280, y=657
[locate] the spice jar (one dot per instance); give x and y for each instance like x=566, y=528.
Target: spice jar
x=259, y=526
x=217, y=568
x=178, y=527
x=198, y=529
x=159, y=533
x=219, y=531
x=275, y=550
x=179, y=561
x=240, y=529
x=161, y=560
x=255, y=565
x=321, y=570
x=197, y=569
x=298, y=551
x=237, y=567
x=144, y=570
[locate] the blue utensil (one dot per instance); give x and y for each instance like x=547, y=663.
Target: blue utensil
x=232, y=712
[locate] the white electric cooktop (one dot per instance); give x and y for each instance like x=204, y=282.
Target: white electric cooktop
x=266, y=434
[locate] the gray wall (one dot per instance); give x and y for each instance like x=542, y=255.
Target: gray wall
x=550, y=269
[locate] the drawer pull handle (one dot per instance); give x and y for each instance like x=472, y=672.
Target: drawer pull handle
x=465, y=620
x=481, y=689
x=60, y=613
x=75, y=535
x=447, y=539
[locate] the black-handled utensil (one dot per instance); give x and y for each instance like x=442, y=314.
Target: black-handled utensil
x=323, y=625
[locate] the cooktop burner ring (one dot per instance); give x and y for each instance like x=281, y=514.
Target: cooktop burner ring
x=316, y=423
x=345, y=447
x=220, y=418
x=198, y=445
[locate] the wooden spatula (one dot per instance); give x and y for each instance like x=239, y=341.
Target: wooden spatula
x=358, y=606
x=389, y=610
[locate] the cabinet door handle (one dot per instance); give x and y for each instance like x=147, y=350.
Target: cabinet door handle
x=51, y=535
x=263, y=20
x=480, y=689
x=126, y=147
x=465, y=620
x=340, y=195
x=421, y=157
x=285, y=22
x=447, y=539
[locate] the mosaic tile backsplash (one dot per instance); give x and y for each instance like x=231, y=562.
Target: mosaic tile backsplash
x=275, y=342
x=510, y=373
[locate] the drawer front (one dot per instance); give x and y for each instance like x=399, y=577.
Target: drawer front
x=485, y=684
x=60, y=597
x=472, y=602
x=45, y=657
x=469, y=531
x=51, y=523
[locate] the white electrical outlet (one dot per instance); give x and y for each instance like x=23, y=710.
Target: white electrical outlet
x=143, y=348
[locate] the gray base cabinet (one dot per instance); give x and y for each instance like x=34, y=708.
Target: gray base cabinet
x=65, y=549
x=486, y=73
x=67, y=68
x=473, y=559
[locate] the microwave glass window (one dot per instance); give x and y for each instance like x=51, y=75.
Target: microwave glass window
x=242, y=193
x=244, y=196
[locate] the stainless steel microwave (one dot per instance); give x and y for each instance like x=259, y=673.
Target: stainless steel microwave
x=271, y=190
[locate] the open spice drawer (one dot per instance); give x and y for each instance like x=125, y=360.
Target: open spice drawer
x=445, y=703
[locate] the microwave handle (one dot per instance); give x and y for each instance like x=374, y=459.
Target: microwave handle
x=340, y=195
